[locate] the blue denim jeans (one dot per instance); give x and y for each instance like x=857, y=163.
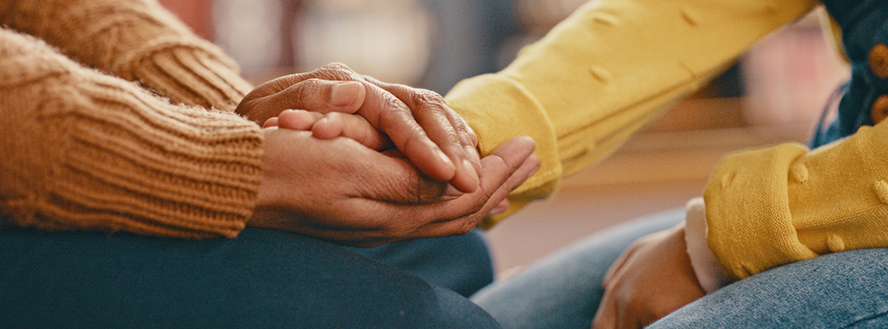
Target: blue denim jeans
x=843, y=290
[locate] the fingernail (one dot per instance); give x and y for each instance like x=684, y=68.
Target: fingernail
x=446, y=160
x=499, y=209
x=451, y=193
x=535, y=169
x=464, y=138
x=344, y=93
x=470, y=169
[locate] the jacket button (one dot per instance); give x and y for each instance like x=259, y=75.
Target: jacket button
x=880, y=109
x=878, y=60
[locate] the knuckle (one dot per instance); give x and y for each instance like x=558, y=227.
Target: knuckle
x=334, y=116
x=475, y=207
x=338, y=66
x=374, y=81
x=429, y=96
x=337, y=71
x=306, y=92
x=469, y=224
x=428, y=100
x=478, y=206
x=392, y=104
x=392, y=114
x=429, y=190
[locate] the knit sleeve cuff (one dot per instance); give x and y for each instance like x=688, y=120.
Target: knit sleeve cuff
x=85, y=150
x=150, y=167
x=498, y=109
x=137, y=40
x=750, y=225
x=193, y=74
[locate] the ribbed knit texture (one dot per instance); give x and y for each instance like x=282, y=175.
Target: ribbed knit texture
x=137, y=40
x=84, y=150
x=604, y=73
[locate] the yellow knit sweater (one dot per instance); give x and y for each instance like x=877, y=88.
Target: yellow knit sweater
x=615, y=65
x=84, y=148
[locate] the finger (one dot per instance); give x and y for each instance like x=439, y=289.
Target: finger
x=402, y=128
x=499, y=168
x=349, y=126
x=618, y=264
x=626, y=256
x=395, y=119
x=395, y=181
x=505, y=169
x=444, y=127
x=464, y=224
x=431, y=114
x=371, y=220
x=451, y=194
x=271, y=122
x=414, y=96
x=260, y=103
x=606, y=315
x=298, y=119
x=318, y=96
x=500, y=208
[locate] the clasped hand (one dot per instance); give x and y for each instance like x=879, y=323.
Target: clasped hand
x=414, y=174
x=418, y=122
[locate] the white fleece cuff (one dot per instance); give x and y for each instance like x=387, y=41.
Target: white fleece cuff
x=707, y=268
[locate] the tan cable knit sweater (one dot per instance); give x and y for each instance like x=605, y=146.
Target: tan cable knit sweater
x=82, y=148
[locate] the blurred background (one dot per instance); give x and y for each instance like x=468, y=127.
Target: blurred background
x=773, y=94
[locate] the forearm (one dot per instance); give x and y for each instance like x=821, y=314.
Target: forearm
x=89, y=151
x=778, y=205
x=137, y=40
x=608, y=70
x=770, y=207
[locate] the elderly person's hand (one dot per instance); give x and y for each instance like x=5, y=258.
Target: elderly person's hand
x=342, y=191
x=417, y=121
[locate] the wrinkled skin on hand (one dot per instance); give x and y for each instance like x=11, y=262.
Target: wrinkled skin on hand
x=335, y=124
x=342, y=191
x=417, y=121
x=652, y=278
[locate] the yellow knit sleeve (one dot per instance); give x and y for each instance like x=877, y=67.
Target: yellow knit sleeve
x=783, y=204
x=605, y=72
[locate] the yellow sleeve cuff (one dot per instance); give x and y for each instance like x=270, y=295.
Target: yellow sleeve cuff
x=750, y=226
x=498, y=109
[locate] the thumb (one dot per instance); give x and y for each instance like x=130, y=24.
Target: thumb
x=323, y=96
x=316, y=96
